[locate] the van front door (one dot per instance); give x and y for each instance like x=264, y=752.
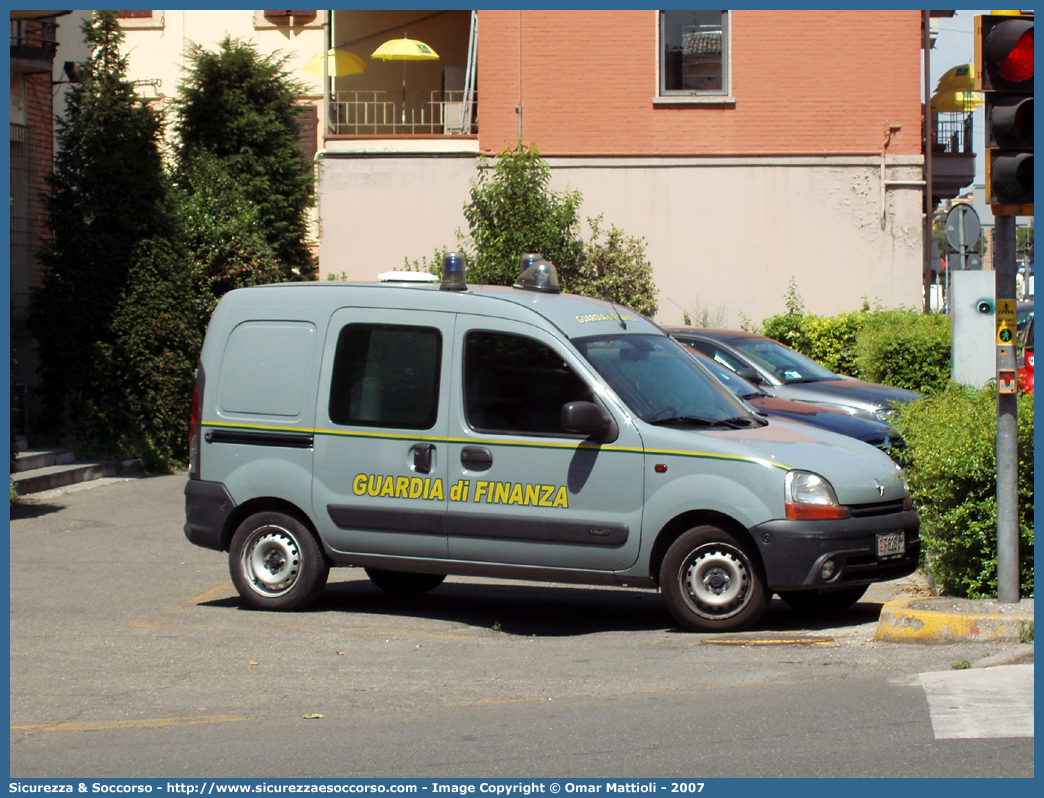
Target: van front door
x=521, y=489
x=380, y=466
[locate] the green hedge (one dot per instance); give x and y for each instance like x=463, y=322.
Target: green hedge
x=951, y=462
x=904, y=348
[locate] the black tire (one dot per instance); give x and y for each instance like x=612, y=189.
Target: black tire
x=712, y=581
x=823, y=602
x=404, y=583
x=276, y=563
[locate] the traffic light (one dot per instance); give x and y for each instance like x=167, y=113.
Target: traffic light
x=1004, y=73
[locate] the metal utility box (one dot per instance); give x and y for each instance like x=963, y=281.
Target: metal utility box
x=973, y=358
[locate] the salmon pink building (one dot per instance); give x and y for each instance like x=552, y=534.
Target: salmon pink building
x=748, y=148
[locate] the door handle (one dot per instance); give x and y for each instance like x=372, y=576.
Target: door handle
x=423, y=453
x=476, y=458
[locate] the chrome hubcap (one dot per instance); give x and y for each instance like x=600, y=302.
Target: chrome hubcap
x=272, y=561
x=717, y=581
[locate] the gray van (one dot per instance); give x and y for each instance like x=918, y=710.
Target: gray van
x=421, y=430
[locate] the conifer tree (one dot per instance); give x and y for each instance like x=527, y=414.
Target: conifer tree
x=112, y=237
x=241, y=106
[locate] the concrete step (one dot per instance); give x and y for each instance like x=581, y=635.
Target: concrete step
x=49, y=477
x=31, y=459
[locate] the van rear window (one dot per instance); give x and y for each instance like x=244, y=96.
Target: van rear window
x=386, y=376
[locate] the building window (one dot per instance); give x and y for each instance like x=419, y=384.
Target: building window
x=694, y=53
x=134, y=14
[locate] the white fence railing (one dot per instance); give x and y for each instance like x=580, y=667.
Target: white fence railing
x=384, y=113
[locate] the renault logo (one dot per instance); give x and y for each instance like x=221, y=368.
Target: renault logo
x=880, y=488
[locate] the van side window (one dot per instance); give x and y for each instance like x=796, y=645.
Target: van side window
x=517, y=385
x=386, y=376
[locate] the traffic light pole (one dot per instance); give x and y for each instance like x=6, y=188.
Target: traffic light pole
x=1007, y=423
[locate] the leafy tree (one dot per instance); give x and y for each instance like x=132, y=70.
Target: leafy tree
x=241, y=106
x=223, y=231
x=513, y=211
x=109, y=216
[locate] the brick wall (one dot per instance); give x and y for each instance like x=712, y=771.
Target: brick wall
x=804, y=83
x=40, y=134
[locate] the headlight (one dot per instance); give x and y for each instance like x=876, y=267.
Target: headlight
x=810, y=497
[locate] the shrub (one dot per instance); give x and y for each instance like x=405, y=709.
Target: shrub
x=951, y=462
x=615, y=270
x=223, y=232
x=905, y=348
x=513, y=211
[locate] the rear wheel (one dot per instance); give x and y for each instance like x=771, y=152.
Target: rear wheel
x=404, y=583
x=823, y=602
x=711, y=582
x=276, y=563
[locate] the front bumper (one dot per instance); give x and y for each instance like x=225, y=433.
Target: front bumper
x=794, y=551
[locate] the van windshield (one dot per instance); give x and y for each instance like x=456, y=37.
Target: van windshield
x=661, y=383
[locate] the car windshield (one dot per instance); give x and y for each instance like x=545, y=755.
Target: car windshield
x=783, y=362
x=661, y=383
x=729, y=378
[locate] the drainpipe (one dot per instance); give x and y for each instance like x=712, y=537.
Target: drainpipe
x=926, y=265
x=324, y=129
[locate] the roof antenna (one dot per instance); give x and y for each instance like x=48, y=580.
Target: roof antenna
x=619, y=315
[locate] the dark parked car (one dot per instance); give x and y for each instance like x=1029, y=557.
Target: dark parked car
x=876, y=433
x=789, y=375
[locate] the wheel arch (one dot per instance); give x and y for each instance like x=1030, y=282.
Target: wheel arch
x=264, y=504
x=680, y=524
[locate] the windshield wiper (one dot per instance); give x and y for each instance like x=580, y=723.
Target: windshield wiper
x=737, y=422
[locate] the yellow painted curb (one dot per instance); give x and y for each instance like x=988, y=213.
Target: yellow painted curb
x=902, y=623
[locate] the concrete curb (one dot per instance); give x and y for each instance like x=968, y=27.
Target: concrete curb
x=919, y=620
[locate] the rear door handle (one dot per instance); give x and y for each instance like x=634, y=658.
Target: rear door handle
x=423, y=453
x=476, y=458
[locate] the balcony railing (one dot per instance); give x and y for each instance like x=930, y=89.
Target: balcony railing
x=33, y=44
x=953, y=134
x=383, y=113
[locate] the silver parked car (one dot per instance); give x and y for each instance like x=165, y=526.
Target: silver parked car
x=790, y=375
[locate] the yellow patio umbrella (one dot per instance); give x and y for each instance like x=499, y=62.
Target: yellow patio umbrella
x=339, y=63
x=404, y=50
x=955, y=102
x=958, y=78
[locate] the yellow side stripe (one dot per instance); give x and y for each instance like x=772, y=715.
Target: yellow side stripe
x=499, y=442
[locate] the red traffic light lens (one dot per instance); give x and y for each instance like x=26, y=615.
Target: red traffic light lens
x=1018, y=66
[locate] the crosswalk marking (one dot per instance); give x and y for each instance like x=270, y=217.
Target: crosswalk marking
x=981, y=702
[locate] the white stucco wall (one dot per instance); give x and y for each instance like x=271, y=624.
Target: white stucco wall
x=155, y=48
x=724, y=236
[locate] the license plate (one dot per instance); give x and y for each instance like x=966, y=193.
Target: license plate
x=891, y=545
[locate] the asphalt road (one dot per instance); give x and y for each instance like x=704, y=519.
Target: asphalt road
x=131, y=657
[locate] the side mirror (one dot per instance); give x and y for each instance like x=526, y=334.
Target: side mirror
x=751, y=375
x=585, y=418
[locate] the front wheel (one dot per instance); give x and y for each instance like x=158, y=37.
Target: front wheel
x=711, y=582
x=825, y=602
x=276, y=563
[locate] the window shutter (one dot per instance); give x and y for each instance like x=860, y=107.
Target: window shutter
x=133, y=14
x=290, y=17
x=307, y=132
